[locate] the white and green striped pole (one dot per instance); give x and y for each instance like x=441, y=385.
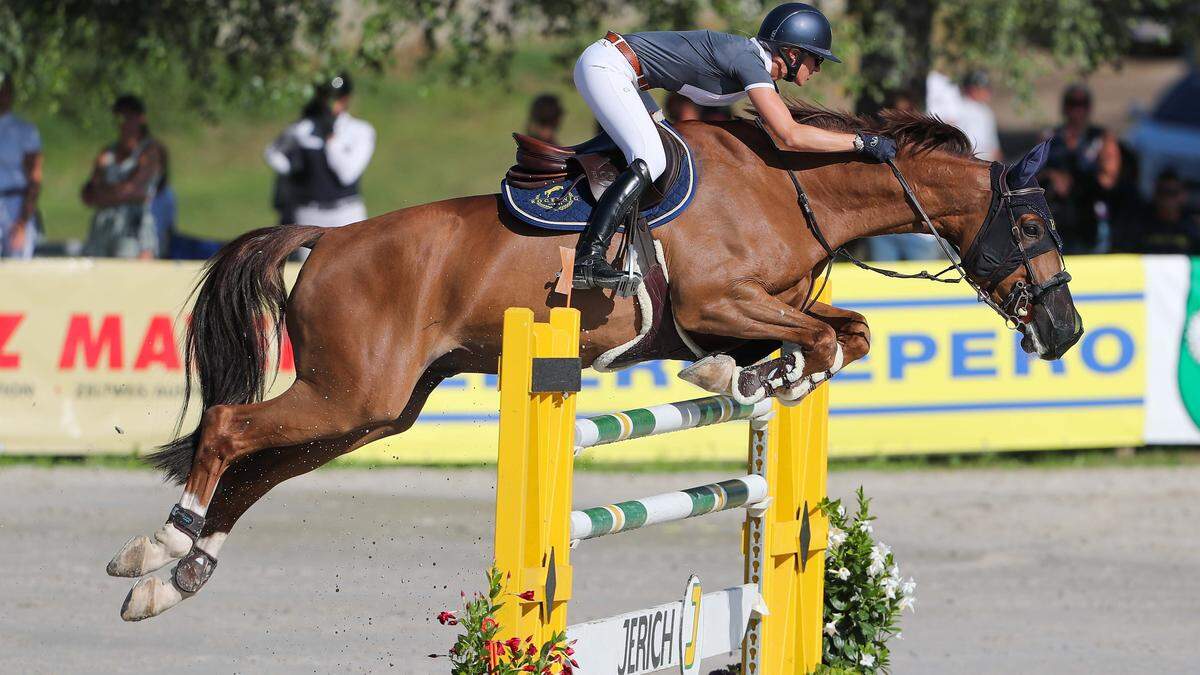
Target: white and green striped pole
x=612, y=518
x=662, y=419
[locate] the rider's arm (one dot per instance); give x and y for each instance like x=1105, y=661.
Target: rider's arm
x=795, y=136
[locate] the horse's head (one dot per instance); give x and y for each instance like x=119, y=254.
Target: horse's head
x=1015, y=260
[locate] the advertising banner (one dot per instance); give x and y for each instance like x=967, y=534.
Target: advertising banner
x=1173, y=365
x=90, y=362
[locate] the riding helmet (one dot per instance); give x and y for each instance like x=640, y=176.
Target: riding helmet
x=795, y=24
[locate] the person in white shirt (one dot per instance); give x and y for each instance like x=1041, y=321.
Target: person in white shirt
x=20, y=177
x=975, y=116
x=321, y=158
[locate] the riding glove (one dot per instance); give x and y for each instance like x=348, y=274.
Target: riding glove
x=876, y=147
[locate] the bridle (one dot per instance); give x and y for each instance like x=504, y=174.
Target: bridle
x=995, y=252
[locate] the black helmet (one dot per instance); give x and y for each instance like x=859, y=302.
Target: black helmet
x=795, y=24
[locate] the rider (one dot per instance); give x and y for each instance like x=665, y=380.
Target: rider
x=713, y=69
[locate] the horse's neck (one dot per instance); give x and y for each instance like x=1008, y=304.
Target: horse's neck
x=954, y=191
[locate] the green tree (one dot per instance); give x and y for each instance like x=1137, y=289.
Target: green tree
x=208, y=52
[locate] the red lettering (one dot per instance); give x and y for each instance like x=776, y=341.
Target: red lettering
x=79, y=336
x=8, y=326
x=158, y=346
x=287, y=360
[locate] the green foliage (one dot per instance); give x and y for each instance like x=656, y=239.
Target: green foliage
x=216, y=54
x=477, y=652
x=896, y=43
x=864, y=593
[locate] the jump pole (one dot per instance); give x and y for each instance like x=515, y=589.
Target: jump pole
x=783, y=538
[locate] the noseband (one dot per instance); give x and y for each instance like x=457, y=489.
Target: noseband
x=996, y=252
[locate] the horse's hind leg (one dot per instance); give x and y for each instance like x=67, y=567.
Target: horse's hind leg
x=243, y=480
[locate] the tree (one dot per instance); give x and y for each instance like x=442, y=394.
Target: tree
x=900, y=41
x=206, y=52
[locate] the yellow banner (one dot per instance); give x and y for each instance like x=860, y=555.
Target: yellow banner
x=90, y=362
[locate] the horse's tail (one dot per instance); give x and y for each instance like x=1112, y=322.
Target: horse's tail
x=240, y=300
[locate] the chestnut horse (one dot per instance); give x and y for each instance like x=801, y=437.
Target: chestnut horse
x=385, y=309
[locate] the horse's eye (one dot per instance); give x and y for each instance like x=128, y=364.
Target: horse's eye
x=1030, y=229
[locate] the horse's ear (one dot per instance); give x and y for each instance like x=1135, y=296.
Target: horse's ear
x=1024, y=172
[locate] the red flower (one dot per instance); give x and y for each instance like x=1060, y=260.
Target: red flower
x=513, y=644
x=447, y=619
x=531, y=650
x=527, y=595
x=569, y=650
x=488, y=623
x=529, y=669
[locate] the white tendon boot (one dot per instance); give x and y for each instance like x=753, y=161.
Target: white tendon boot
x=804, y=387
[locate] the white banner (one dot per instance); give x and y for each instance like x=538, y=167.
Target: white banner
x=1173, y=354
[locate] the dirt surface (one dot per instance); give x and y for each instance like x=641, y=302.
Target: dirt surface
x=1027, y=571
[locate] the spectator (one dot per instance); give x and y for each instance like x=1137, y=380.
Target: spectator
x=164, y=208
x=122, y=186
x=681, y=108
x=545, y=118
x=1166, y=226
x=1081, y=172
x=900, y=99
x=975, y=116
x=321, y=158
x=20, y=177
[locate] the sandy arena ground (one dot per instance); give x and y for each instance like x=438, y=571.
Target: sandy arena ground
x=1019, y=571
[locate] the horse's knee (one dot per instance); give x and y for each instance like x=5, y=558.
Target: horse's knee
x=856, y=337
x=822, y=350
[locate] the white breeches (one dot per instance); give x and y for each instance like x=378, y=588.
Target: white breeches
x=609, y=86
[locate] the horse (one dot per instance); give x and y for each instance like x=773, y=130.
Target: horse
x=385, y=309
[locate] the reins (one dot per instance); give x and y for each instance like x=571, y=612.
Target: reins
x=811, y=220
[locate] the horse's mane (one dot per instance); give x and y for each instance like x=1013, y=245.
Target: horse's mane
x=913, y=132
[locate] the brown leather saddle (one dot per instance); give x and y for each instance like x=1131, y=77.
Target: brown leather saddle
x=599, y=161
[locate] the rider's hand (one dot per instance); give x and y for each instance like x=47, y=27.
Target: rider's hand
x=876, y=147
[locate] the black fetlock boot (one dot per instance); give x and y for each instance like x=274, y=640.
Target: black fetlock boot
x=592, y=269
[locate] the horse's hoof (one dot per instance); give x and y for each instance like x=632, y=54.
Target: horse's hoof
x=714, y=373
x=142, y=555
x=149, y=597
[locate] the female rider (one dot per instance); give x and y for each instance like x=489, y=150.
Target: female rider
x=711, y=69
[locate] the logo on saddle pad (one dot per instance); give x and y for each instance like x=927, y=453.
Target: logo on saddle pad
x=550, y=200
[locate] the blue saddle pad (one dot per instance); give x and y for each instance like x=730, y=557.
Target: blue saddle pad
x=554, y=208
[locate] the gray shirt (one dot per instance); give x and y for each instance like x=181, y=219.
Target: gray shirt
x=708, y=67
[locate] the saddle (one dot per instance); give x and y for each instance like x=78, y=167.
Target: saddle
x=599, y=161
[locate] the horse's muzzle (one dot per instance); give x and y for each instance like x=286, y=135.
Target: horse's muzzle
x=1055, y=328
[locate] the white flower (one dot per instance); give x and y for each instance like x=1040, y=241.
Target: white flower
x=898, y=636
x=876, y=568
x=884, y=549
x=908, y=588
x=842, y=574
x=865, y=526
x=867, y=660
x=890, y=584
x=841, y=511
x=831, y=629
x=894, y=572
x=907, y=602
x=836, y=537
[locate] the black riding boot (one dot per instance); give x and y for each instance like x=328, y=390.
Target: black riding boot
x=592, y=269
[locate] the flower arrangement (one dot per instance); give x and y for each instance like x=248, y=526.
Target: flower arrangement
x=478, y=652
x=864, y=593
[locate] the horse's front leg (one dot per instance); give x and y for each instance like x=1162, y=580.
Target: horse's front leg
x=853, y=343
x=751, y=313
